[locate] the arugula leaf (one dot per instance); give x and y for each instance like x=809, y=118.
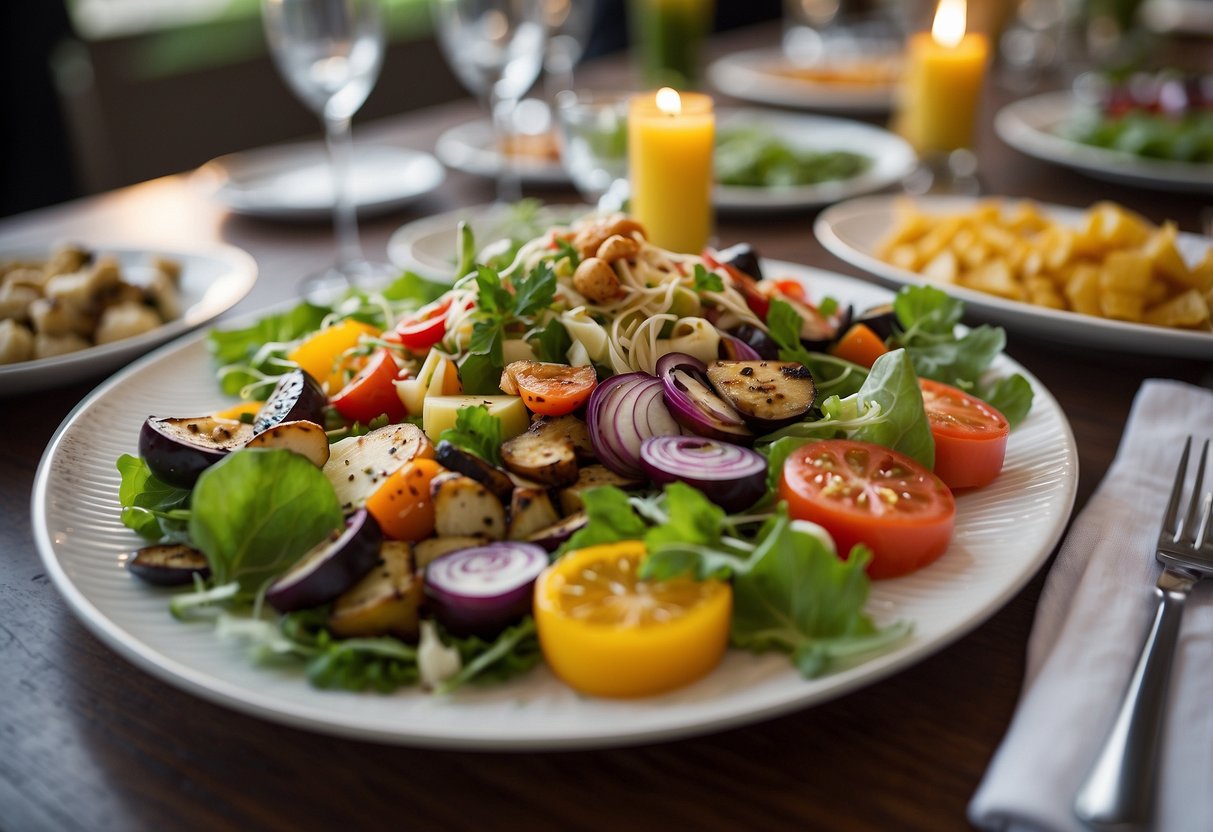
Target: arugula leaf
x=689, y=538
x=887, y=410
x=414, y=287
x=478, y=432
x=783, y=324
x=611, y=519
x=256, y=511
x=777, y=454
x=797, y=597
x=706, y=281
x=1010, y=396
x=514, y=652
x=233, y=345
x=155, y=510
x=927, y=318
x=551, y=342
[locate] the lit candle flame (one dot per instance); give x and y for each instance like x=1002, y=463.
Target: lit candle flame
x=669, y=101
x=950, y=22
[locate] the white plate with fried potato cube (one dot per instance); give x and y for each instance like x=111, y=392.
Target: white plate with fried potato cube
x=1101, y=277
x=78, y=311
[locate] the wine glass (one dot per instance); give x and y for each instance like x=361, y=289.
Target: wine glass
x=496, y=48
x=594, y=145
x=568, y=24
x=330, y=52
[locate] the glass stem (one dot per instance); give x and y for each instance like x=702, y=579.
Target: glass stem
x=509, y=186
x=338, y=137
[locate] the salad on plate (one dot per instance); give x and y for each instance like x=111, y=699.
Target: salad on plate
x=595, y=454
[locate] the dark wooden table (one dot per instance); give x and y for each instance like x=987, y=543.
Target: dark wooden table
x=89, y=742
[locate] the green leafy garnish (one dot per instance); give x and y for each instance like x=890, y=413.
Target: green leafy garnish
x=706, y=281
x=155, y=510
x=551, y=342
x=478, y=432
x=256, y=511
x=611, y=519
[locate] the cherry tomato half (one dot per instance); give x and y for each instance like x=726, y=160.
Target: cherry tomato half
x=372, y=392
x=748, y=286
x=549, y=389
x=424, y=328
x=864, y=493
x=970, y=435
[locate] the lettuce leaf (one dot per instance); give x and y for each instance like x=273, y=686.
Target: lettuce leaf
x=154, y=510
x=255, y=512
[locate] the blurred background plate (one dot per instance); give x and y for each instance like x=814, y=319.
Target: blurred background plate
x=471, y=148
x=1030, y=126
x=213, y=280
x=892, y=159
x=294, y=181
x=762, y=76
x=428, y=246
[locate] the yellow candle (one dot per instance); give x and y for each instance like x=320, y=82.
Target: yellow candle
x=943, y=77
x=670, y=141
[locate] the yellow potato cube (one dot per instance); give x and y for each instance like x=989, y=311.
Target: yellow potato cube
x=943, y=268
x=1117, y=227
x=903, y=257
x=1124, y=306
x=1189, y=309
x=1024, y=218
x=994, y=278
x=1127, y=272
x=1082, y=289
x=1042, y=292
x=1057, y=246
x=1167, y=261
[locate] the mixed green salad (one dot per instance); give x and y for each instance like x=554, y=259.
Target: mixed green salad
x=308, y=536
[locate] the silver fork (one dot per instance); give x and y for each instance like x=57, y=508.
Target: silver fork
x=1118, y=792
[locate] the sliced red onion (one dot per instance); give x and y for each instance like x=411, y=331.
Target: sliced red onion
x=733, y=348
x=729, y=475
x=694, y=404
x=630, y=410
x=483, y=590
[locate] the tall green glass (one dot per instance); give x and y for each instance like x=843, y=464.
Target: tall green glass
x=667, y=39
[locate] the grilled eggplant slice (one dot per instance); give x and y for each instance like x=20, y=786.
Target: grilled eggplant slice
x=386, y=601
x=552, y=537
x=464, y=507
x=330, y=568
x=880, y=319
x=592, y=476
x=574, y=429
x=307, y=439
x=177, y=451
x=767, y=394
x=296, y=396
x=531, y=509
x=549, y=458
x=168, y=564
x=742, y=257
x=453, y=458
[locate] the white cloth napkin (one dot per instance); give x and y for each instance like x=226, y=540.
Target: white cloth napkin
x=1090, y=624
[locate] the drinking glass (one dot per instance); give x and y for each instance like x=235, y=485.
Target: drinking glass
x=330, y=53
x=568, y=24
x=594, y=145
x=496, y=48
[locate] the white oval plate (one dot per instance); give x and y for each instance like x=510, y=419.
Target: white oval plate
x=1004, y=533
x=472, y=148
x=1030, y=125
x=213, y=280
x=750, y=76
x=469, y=147
x=428, y=246
x=892, y=160
x=294, y=181
x=853, y=230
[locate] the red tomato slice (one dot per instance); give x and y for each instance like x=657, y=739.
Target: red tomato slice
x=372, y=393
x=864, y=493
x=424, y=328
x=970, y=435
